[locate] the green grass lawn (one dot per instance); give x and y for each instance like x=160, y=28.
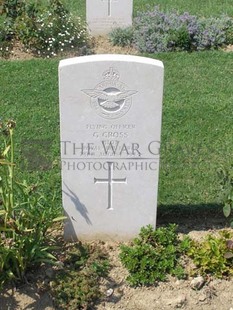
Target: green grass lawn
x=197, y=125
x=197, y=114
x=198, y=7
x=197, y=120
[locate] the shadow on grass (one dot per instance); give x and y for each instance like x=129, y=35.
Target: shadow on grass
x=192, y=217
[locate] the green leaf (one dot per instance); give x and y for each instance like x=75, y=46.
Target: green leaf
x=227, y=210
x=4, y=153
x=6, y=229
x=28, y=230
x=60, y=218
x=4, y=162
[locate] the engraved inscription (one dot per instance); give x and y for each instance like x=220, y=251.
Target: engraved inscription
x=110, y=98
x=110, y=131
x=104, y=21
x=110, y=181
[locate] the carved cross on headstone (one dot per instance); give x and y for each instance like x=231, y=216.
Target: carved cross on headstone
x=103, y=16
x=109, y=5
x=110, y=181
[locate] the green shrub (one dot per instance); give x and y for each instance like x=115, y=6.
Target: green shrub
x=77, y=285
x=213, y=256
x=179, y=39
x=153, y=255
x=13, y=8
x=6, y=43
x=50, y=31
x=155, y=31
x=122, y=36
x=229, y=32
x=44, y=28
x=26, y=216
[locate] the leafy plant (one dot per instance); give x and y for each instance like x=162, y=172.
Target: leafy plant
x=6, y=42
x=213, y=256
x=50, y=30
x=77, y=285
x=44, y=28
x=155, y=31
x=12, y=8
x=226, y=181
x=122, y=36
x=212, y=33
x=153, y=255
x=26, y=217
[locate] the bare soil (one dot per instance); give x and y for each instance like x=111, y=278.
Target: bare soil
x=117, y=294
x=101, y=45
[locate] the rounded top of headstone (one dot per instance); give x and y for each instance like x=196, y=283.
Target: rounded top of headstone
x=110, y=57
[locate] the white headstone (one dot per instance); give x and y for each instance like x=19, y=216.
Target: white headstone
x=110, y=109
x=104, y=15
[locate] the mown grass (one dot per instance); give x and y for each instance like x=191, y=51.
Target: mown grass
x=197, y=114
x=197, y=120
x=29, y=95
x=197, y=125
x=198, y=7
x=77, y=7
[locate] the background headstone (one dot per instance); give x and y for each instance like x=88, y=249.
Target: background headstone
x=104, y=15
x=110, y=109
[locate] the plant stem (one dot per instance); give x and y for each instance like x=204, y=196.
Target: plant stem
x=11, y=175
